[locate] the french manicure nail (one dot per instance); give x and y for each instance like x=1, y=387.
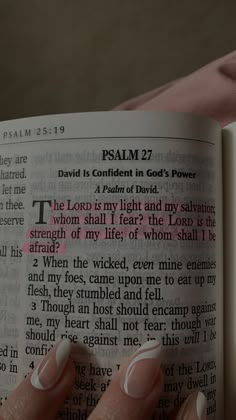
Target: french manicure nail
x=229, y=69
x=138, y=379
x=194, y=407
x=47, y=374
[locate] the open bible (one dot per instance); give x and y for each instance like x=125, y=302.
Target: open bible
x=111, y=234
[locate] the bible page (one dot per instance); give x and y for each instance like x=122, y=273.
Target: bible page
x=111, y=235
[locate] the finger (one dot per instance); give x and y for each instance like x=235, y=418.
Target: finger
x=209, y=91
x=141, y=99
x=43, y=392
x=194, y=407
x=134, y=392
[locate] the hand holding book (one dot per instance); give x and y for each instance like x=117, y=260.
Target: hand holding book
x=132, y=394
x=209, y=91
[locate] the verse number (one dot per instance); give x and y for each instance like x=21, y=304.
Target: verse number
x=146, y=154
x=33, y=306
x=31, y=365
x=35, y=263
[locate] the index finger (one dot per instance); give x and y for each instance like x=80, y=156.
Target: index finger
x=43, y=392
x=134, y=391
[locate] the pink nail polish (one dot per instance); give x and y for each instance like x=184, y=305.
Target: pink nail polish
x=139, y=377
x=47, y=374
x=229, y=69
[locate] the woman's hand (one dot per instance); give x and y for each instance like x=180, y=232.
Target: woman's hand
x=209, y=91
x=132, y=395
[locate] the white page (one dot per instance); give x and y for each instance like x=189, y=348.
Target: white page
x=175, y=161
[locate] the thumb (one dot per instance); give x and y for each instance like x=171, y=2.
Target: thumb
x=43, y=392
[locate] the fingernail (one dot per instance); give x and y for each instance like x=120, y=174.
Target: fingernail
x=139, y=377
x=229, y=69
x=50, y=369
x=194, y=407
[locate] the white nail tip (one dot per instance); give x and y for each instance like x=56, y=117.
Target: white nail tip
x=63, y=352
x=35, y=380
x=149, y=350
x=61, y=356
x=201, y=405
x=149, y=344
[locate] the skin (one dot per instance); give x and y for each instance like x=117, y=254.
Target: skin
x=210, y=91
x=28, y=403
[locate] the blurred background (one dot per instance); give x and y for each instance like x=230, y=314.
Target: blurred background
x=71, y=55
